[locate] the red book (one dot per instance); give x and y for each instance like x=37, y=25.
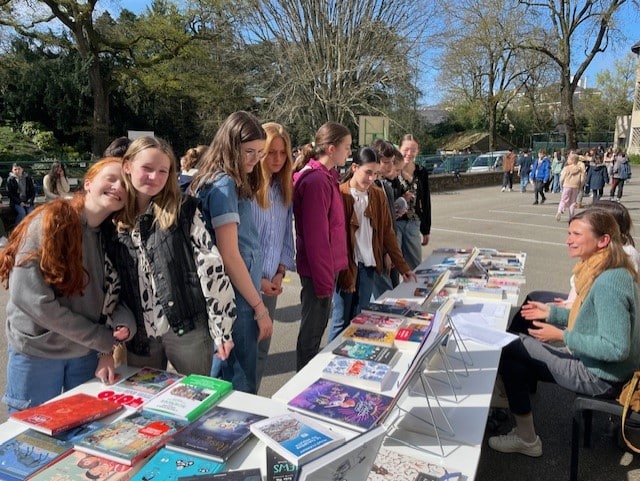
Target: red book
x=62, y=414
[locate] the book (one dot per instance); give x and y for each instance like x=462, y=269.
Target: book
x=30, y=451
x=189, y=398
x=130, y=439
x=65, y=413
x=368, y=352
x=167, y=465
x=216, y=435
x=77, y=466
x=239, y=475
x=370, y=335
x=296, y=438
x=141, y=386
x=358, y=372
x=390, y=465
x=386, y=323
x=433, y=288
x=351, y=461
x=279, y=468
x=386, y=309
x=410, y=336
x=484, y=292
x=348, y=406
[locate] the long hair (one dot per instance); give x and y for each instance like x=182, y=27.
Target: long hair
x=59, y=253
x=601, y=223
x=330, y=133
x=225, y=154
x=366, y=155
x=622, y=217
x=274, y=131
x=166, y=204
x=192, y=156
x=54, y=175
x=117, y=147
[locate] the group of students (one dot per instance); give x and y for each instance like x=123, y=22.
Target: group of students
x=192, y=278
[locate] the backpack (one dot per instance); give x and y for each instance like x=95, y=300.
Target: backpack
x=624, y=171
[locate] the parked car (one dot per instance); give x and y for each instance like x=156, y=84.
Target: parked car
x=454, y=163
x=429, y=161
x=488, y=162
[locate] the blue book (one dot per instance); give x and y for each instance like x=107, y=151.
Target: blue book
x=169, y=465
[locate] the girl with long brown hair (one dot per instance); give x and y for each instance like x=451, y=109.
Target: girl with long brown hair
x=63, y=293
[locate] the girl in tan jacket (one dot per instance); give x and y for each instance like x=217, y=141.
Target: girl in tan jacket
x=572, y=180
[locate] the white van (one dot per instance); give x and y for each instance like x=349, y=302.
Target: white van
x=488, y=162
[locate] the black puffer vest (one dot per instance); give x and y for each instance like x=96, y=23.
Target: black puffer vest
x=170, y=255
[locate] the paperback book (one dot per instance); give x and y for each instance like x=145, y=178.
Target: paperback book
x=386, y=323
x=369, y=335
x=189, y=398
x=296, y=438
x=367, y=352
x=140, y=387
x=130, y=439
x=239, y=475
x=348, y=406
x=358, y=372
x=66, y=413
x=166, y=465
x=386, y=309
x=279, y=468
x=216, y=435
x=77, y=466
x=410, y=336
x=390, y=465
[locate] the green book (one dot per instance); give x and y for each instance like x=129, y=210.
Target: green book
x=189, y=398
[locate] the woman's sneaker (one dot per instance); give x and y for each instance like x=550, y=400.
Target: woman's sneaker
x=512, y=443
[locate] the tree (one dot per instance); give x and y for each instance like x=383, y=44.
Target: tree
x=333, y=60
x=572, y=25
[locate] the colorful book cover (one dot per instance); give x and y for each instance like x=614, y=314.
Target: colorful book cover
x=383, y=322
x=296, y=438
x=351, y=461
x=140, y=387
x=189, y=398
x=239, y=475
x=129, y=439
x=390, y=465
x=348, y=406
x=279, y=468
x=79, y=466
x=26, y=453
x=386, y=309
x=217, y=434
x=167, y=465
x=370, y=335
x=411, y=335
x=368, y=352
x=65, y=413
x=357, y=372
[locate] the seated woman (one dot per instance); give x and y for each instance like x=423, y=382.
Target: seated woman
x=602, y=338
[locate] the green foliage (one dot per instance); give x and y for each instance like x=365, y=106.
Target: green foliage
x=16, y=147
x=634, y=159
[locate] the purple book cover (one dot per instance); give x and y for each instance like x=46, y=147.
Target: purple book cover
x=354, y=407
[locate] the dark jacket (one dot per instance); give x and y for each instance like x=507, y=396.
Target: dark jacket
x=13, y=190
x=597, y=177
x=175, y=275
x=423, y=199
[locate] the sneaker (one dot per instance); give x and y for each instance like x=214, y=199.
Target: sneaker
x=509, y=190
x=535, y=202
x=503, y=189
x=512, y=443
x=543, y=199
x=558, y=217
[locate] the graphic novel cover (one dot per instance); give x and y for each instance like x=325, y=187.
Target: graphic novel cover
x=366, y=351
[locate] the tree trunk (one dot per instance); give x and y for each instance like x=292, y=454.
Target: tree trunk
x=567, y=89
x=100, y=109
x=492, y=109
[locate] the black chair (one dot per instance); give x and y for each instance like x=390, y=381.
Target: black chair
x=583, y=407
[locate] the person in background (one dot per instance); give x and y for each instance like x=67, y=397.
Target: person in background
x=557, y=163
x=3, y=232
x=369, y=234
x=525, y=162
x=597, y=178
x=321, y=245
x=188, y=166
x=55, y=183
x=63, y=314
x=540, y=173
x=226, y=183
x=621, y=172
x=572, y=178
x=609, y=158
x=507, y=167
x=414, y=225
x=272, y=210
x=600, y=331
x=172, y=275
x=117, y=147
x=21, y=192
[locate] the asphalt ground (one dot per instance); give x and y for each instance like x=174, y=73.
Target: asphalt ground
x=486, y=217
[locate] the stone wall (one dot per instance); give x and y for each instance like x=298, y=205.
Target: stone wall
x=466, y=180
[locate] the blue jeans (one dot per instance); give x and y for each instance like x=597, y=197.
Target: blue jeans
x=410, y=241
x=347, y=305
x=556, y=184
x=21, y=211
x=240, y=367
x=32, y=381
x=524, y=181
